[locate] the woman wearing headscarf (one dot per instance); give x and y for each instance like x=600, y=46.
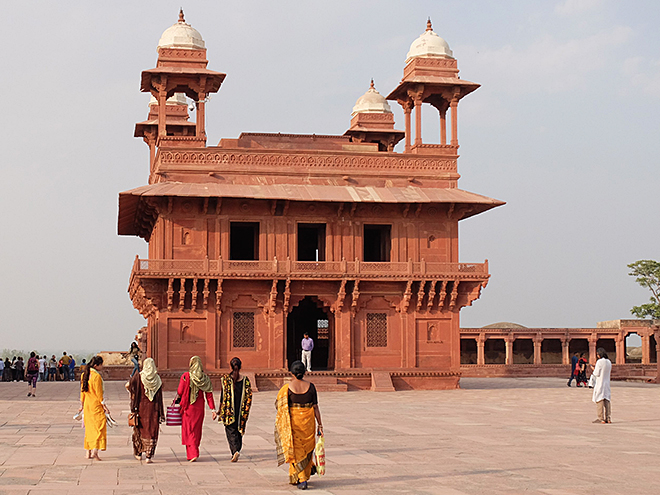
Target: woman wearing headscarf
x=234, y=407
x=193, y=386
x=297, y=412
x=147, y=403
x=95, y=410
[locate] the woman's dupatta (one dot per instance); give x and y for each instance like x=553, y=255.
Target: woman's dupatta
x=283, y=434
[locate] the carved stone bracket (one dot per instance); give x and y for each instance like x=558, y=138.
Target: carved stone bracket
x=341, y=295
x=205, y=293
x=272, y=301
x=355, y=296
x=420, y=295
x=287, y=295
x=407, y=295
x=193, y=305
x=170, y=293
x=182, y=294
x=429, y=304
x=218, y=297
x=443, y=293
x=454, y=295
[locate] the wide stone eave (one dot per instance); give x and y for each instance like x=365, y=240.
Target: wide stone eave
x=129, y=220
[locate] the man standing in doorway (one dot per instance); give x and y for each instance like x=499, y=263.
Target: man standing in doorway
x=307, y=347
x=574, y=361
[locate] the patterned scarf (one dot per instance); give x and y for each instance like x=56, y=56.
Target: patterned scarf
x=198, y=379
x=150, y=379
x=283, y=434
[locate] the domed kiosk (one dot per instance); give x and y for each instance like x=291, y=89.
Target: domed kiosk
x=431, y=76
x=372, y=121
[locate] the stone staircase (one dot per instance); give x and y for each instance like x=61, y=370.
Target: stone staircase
x=325, y=383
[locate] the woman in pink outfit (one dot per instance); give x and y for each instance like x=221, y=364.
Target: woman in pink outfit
x=193, y=386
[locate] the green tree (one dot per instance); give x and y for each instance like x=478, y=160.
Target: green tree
x=647, y=274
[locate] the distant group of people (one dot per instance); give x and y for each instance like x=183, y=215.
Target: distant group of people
x=298, y=418
x=53, y=369
x=599, y=381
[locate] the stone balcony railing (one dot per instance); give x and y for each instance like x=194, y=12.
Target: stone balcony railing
x=220, y=268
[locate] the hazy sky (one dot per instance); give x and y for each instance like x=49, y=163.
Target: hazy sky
x=565, y=128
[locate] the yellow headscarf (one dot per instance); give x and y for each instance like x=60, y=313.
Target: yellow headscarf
x=198, y=379
x=150, y=379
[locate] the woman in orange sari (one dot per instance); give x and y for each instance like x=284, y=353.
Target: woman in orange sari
x=295, y=426
x=92, y=403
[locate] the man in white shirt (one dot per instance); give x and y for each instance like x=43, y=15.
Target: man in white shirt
x=602, y=393
x=42, y=369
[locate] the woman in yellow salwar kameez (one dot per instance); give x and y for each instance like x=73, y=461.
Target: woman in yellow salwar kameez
x=297, y=415
x=94, y=409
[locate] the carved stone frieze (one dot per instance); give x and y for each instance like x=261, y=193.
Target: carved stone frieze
x=241, y=158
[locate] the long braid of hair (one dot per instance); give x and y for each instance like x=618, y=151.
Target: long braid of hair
x=95, y=361
x=235, y=364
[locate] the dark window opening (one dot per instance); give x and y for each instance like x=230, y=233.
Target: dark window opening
x=377, y=242
x=244, y=241
x=311, y=242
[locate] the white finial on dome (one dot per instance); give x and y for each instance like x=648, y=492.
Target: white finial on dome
x=181, y=35
x=371, y=102
x=429, y=44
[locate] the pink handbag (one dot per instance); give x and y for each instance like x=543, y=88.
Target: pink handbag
x=173, y=415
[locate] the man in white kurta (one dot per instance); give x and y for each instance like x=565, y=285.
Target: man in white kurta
x=602, y=394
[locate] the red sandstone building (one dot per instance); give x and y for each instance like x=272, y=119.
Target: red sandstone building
x=261, y=238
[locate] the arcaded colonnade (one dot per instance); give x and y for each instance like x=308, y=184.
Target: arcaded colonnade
x=520, y=345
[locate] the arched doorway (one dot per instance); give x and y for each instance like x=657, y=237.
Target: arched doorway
x=312, y=317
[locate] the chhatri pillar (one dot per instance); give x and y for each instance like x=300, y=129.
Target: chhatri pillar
x=508, y=342
x=620, y=349
x=646, y=348
x=593, y=338
x=538, y=340
x=481, y=341
x=565, y=358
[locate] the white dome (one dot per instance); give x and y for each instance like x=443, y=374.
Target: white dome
x=371, y=102
x=181, y=35
x=429, y=44
x=175, y=99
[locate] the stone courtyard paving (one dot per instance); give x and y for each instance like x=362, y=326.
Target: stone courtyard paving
x=525, y=435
